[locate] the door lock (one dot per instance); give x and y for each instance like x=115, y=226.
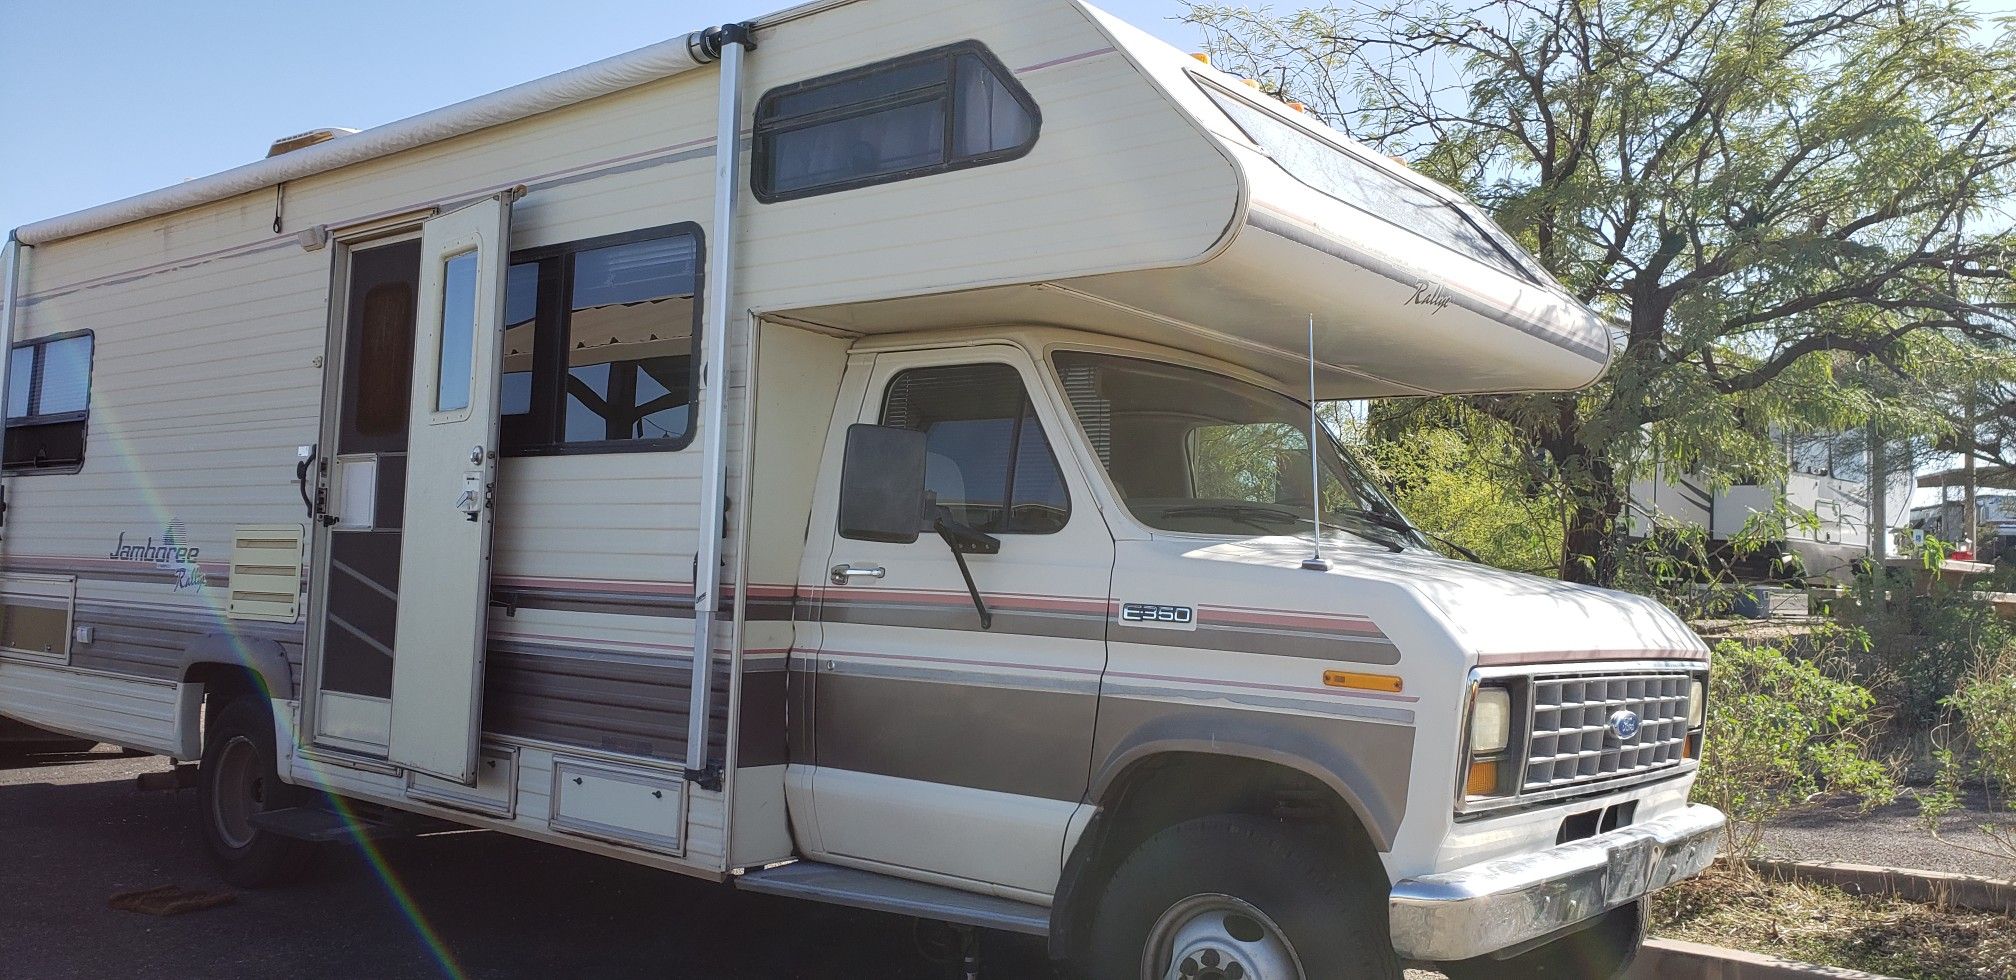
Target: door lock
x=471, y=501
x=843, y=574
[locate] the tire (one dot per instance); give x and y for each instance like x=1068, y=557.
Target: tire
x=1604, y=950
x=240, y=776
x=1241, y=898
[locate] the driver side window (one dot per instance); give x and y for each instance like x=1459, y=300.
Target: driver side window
x=986, y=457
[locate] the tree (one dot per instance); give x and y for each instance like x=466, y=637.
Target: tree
x=1767, y=196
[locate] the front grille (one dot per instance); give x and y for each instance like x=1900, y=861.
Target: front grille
x=1573, y=743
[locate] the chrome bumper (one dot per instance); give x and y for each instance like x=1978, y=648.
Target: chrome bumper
x=1496, y=904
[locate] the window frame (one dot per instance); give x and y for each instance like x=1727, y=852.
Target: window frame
x=764, y=131
x=30, y=421
x=1029, y=411
x=538, y=430
x=1486, y=229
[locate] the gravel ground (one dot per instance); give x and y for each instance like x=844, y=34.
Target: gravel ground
x=73, y=832
x=1894, y=836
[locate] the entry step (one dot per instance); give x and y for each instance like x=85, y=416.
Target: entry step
x=820, y=882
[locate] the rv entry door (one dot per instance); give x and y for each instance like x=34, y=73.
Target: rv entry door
x=451, y=466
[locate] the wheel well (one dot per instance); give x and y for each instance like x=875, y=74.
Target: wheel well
x=1164, y=790
x=223, y=684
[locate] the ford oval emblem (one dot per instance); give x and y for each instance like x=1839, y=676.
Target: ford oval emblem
x=1624, y=724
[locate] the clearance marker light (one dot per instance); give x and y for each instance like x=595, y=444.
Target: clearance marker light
x=1201, y=56
x=1361, y=682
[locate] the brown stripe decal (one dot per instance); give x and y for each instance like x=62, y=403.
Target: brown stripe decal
x=1030, y=743
x=1543, y=657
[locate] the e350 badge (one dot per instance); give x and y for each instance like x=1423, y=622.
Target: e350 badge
x=1158, y=616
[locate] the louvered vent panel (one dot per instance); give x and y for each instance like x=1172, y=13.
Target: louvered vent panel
x=266, y=573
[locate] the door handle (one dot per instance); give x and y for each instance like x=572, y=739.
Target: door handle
x=843, y=574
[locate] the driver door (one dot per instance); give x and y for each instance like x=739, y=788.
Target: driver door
x=941, y=746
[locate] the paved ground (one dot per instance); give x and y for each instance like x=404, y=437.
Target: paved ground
x=73, y=832
x=1895, y=837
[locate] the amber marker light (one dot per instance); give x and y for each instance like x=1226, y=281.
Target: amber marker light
x=1362, y=682
x=1483, y=780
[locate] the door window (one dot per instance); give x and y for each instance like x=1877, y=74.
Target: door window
x=987, y=459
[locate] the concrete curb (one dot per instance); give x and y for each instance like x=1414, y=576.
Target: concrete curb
x=1672, y=959
x=1931, y=887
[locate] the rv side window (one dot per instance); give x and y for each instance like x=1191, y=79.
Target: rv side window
x=930, y=112
x=986, y=457
x=598, y=344
x=48, y=403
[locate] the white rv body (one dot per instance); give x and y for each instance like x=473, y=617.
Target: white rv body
x=850, y=712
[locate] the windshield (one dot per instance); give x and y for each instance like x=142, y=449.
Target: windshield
x=1201, y=453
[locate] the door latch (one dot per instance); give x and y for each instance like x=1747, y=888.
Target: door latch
x=471, y=501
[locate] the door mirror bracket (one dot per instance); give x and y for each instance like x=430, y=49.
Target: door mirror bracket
x=964, y=540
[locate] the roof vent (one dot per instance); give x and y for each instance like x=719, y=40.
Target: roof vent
x=288, y=144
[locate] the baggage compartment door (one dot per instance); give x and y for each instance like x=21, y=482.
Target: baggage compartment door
x=444, y=566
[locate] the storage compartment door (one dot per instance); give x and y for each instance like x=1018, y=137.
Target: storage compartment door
x=444, y=566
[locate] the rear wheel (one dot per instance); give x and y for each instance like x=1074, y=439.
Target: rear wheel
x=1236, y=897
x=239, y=778
x=1603, y=950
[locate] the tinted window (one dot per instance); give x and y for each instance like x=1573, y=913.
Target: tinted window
x=925, y=113
x=987, y=459
x=598, y=344
x=521, y=311
x=630, y=341
x=48, y=403
x=1365, y=185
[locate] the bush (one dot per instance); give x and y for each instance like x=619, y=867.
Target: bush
x=1925, y=637
x=1979, y=742
x=1780, y=732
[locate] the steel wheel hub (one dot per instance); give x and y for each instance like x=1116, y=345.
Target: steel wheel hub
x=1217, y=937
x=239, y=791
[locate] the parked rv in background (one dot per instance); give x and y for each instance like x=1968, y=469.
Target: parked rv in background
x=922, y=512
x=1827, y=511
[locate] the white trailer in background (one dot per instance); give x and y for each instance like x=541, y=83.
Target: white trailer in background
x=1828, y=510
x=956, y=426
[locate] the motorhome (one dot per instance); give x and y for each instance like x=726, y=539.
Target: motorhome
x=862, y=454
x=1832, y=507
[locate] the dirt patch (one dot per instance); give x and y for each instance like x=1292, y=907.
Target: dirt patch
x=1829, y=927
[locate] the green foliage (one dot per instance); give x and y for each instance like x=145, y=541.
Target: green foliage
x=1980, y=743
x=1794, y=210
x=1926, y=635
x=1781, y=730
x=1463, y=481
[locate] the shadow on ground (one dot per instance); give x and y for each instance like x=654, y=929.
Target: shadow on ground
x=74, y=832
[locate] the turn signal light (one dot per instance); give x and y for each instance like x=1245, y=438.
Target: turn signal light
x=1483, y=780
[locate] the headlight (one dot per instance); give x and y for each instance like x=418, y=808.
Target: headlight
x=1490, y=721
x=1697, y=703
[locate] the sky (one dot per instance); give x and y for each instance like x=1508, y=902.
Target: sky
x=104, y=99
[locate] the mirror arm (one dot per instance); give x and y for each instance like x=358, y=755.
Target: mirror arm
x=952, y=534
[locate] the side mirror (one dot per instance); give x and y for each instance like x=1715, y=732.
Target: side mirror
x=882, y=484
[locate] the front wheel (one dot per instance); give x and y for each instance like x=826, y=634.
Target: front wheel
x=1236, y=897
x=240, y=777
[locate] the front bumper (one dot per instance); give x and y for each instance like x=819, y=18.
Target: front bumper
x=1493, y=905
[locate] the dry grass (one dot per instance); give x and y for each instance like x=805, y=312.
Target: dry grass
x=1829, y=927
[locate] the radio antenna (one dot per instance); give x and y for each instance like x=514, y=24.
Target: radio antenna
x=1315, y=562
